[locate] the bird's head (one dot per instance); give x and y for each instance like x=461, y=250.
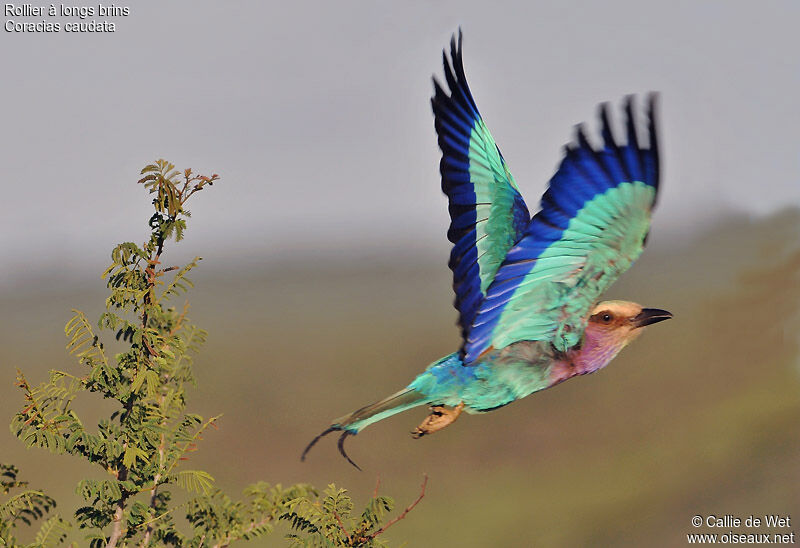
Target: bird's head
x=614, y=324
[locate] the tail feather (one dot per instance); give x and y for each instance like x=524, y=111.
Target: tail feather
x=356, y=421
x=396, y=403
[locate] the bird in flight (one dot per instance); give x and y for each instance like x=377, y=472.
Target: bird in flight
x=527, y=288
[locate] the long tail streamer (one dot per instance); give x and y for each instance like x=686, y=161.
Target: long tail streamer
x=340, y=444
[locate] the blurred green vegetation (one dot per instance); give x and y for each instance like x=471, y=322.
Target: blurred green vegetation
x=699, y=416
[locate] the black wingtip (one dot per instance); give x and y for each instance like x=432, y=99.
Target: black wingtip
x=343, y=437
x=314, y=442
x=653, y=99
x=629, y=105
x=459, y=98
x=605, y=126
x=580, y=136
x=632, y=131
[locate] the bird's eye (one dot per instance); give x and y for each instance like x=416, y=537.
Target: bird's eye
x=606, y=318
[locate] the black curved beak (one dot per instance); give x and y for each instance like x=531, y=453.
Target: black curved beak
x=649, y=316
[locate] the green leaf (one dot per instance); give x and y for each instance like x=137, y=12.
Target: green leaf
x=198, y=481
x=131, y=454
x=52, y=533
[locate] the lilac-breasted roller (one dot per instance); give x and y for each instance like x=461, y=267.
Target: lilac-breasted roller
x=527, y=288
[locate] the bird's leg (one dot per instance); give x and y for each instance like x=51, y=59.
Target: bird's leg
x=440, y=417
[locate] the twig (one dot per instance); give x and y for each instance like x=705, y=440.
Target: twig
x=117, y=529
x=179, y=320
x=149, y=348
x=341, y=526
x=158, y=517
x=161, y=448
x=405, y=512
x=377, y=485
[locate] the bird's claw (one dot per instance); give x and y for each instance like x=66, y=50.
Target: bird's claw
x=440, y=417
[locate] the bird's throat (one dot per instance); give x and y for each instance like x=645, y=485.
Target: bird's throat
x=595, y=353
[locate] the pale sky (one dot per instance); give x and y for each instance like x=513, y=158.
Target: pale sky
x=317, y=117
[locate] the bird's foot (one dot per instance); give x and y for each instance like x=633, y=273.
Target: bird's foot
x=440, y=417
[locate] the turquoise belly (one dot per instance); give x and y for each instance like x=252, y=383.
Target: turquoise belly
x=493, y=382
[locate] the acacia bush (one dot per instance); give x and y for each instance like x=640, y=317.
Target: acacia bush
x=140, y=450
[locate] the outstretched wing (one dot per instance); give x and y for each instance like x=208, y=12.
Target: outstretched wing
x=487, y=214
x=592, y=225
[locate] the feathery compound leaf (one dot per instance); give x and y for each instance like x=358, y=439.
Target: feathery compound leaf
x=198, y=481
x=331, y=522
x=180, y=283
x=24, y=505
x=375, y=512
x=8, y=478
x=52, y=532
x=95, y=490
x=337, y=501
x=24, y=508
x=83, y=343
x=47, y=418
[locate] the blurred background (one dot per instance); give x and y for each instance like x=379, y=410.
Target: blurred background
x=325, y=286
